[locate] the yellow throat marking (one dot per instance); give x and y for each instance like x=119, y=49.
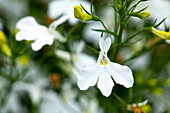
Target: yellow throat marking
x=103, y=62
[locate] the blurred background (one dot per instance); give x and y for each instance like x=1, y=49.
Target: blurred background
x=45, y=82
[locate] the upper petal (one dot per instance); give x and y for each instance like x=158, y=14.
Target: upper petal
x=121, y=74
x=101, y=44
x=59, y=21
x=88, y=76
x=105, y=83
x=28, y=23
x=29, y=29
x=107, y=44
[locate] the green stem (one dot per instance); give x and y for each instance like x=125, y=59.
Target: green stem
x=118, y=41
x=104, y=25
x=9, y=84
x=119, y=98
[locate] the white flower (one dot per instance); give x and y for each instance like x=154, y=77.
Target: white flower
x=53, y=103
x=29, y=29
x=35, y=90
x=79, y=58
x=102, y=72
x=90, y=105
x=66, y=7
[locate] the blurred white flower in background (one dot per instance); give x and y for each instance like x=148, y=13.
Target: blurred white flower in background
x=79, y=58
x=102, y=72
x=35, y=90
x=90, y=105
x=69, y=95
x=12, y=104
x=57, y=8
x=53, y=103
x=160, y=102
x=85, y=104
x=29, y=29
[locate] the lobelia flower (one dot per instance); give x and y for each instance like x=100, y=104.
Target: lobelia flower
x=103, y=72
x=29, y=29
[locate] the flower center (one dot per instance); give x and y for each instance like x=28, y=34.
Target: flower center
x=49, y=31
x=103, y=61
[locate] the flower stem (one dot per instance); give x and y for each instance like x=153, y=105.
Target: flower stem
x=119, y=98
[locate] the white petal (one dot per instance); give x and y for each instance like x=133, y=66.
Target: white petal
x=143, y=103
x=28, y=34
x=107, y=44
x=26, y=22
x=101, y=44
x=105, y=83
x=43, y=40
x=29, y=29
x=56, y=8
x=59, y=37
x=88, y=76
x=59, y=21
x=84, y=60
x=121, y=74
x=167, y=41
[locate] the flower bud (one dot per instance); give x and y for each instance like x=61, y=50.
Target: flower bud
x=78, y=13
x=144, y=14
x=2, y=38
x=161, y=34
x=3, y=45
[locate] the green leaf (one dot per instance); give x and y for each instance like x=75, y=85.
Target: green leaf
x=93, y=49
x=106, y=31
x=85, y=10
x=160, y=22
